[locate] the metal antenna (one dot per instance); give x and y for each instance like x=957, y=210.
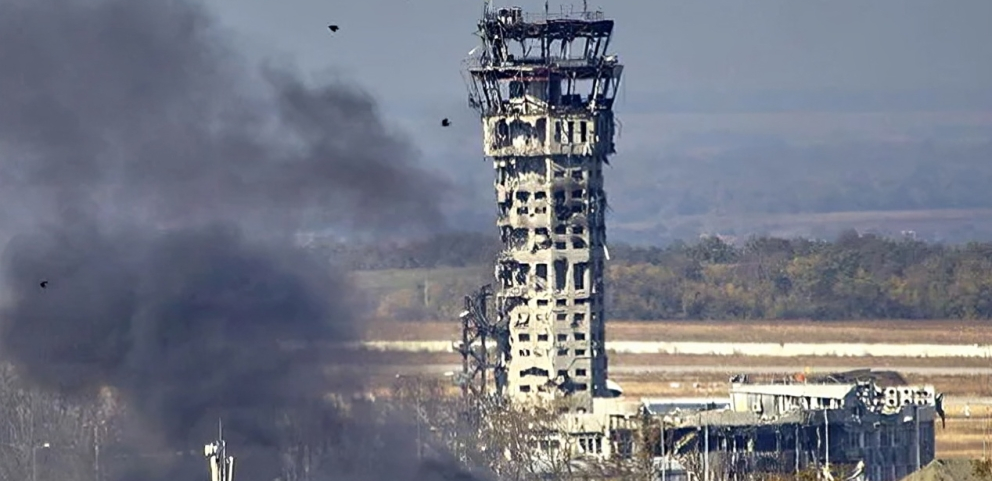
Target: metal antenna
x=221, y=465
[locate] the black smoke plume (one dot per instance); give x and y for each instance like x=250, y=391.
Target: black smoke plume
x=155, y=179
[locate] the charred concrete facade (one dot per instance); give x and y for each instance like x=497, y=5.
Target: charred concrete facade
x=544, y=85
x=854, y=425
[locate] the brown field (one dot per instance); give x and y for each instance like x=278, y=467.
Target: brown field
x=798, y=363
x=963, y=438
x=870, y=331
x=689, y=384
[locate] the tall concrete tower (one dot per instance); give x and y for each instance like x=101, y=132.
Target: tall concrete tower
x=544, y=86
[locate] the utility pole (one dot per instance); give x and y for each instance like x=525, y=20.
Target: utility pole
x=96, y=451
x=916, y=415
x=826, y=438
x=661, y=444
x=34, y=460
x=706, y=452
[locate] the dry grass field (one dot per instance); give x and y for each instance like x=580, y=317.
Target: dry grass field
x=871, y=331
x=965, y=437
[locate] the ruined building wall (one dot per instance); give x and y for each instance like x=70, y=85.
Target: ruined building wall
x=548, y=126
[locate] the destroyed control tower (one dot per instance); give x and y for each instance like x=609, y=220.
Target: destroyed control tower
x=545, y=85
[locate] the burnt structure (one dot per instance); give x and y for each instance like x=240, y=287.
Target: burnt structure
x=544, y=85
x=854, y=428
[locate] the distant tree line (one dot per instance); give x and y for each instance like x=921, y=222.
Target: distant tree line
x=854, y=277
x=449, y=249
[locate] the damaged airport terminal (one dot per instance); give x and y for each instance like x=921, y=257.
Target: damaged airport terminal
x=544, y=84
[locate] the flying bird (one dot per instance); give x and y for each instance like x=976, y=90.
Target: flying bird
x=43, y=284
x=445, y=122
x=333, y=28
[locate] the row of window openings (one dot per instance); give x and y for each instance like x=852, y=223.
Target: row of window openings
x=524, y=196
x=525, y=337
x=579, y=301
x=578, y=173
x=563, y=373
x=562, y=229
x=579, y=270
x=543, y=209
x=577, y=387
x=565, y=131
x=562, y=351
x=577, y=318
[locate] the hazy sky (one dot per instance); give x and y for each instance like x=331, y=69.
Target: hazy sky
x=409, y=51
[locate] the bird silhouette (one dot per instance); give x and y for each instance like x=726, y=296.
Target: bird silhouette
x=445, y=122
x=333, y=28
x=43, y=284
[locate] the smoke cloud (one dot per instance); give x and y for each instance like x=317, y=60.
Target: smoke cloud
x=155, y=179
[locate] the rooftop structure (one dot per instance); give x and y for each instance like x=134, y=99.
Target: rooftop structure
x=878, y=433
x=544, y=86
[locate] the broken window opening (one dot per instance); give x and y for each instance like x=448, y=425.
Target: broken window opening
x=561, y=303
x=524, y=388
x=563, y=373
x=580, y=372
x=540, y=195
x=578, y=174
x=542, y=337
x=542, y=272
x=580, y=352
x=523, y=270
x=542, y=302
x=560, y=245
x=578, y=243
x=579, y=317
x=561, y=316
x=563, y=352
x=562, y=337
x=561, y=274
x=541, y=130
x=581, y=387
x=502, y=138
x=578, y=230
x=582, y=131
x=571, y=131
x=534, y=371
x=558, y=137
x=523, y=337
x=524, y=353
x=561, y=229
x=577, y=194
x=522, y=195
x=579, y=275
x=517, y=89
x=518, y=238
x=580, y=336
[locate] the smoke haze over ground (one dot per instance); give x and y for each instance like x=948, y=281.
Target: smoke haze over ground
x=154, y=179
